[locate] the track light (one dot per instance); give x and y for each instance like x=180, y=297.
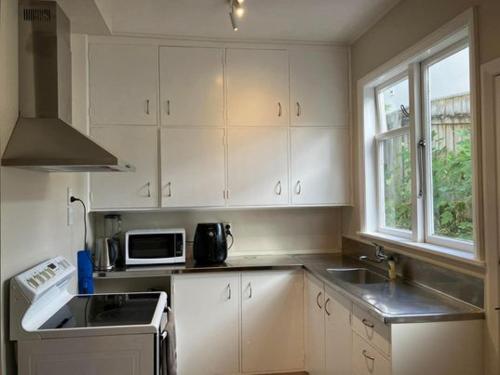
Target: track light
x=233, y=21
x=236, y=9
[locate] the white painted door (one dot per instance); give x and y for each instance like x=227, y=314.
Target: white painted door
x=137, y=145
x=257, y=87
x=272, y=321
x=206, y=310
x=338, y=334
x=123, y=84
x=319, y=86
x=191, y=86
x=320, y=166
x=257, y=166
x=192, y=167
x=314, y=326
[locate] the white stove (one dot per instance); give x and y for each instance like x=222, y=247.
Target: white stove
x=100, y=334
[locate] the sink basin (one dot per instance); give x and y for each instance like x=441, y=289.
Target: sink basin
x=356, y=275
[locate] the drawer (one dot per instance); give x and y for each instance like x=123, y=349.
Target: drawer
x=366, y=360
x=372, y=330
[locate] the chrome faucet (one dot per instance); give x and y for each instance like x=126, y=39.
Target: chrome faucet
x=380, y=255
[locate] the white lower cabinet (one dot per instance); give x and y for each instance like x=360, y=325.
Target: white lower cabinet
x=366, y=360
x=328, y=330
x=207, y=323
x=137, y=145
x=338, y=333
x=207, y=309
x=272, y=312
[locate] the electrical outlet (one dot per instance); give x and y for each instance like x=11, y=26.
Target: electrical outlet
x=69, y=207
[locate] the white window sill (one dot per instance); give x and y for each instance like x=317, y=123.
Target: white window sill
x=426, y=249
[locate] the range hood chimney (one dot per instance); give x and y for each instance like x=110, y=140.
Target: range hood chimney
x=42, y=138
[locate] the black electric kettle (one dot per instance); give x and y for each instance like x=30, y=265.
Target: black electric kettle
x=210, y=243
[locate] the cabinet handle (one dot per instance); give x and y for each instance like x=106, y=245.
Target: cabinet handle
x=326, y=306
x=169, y=191
x=279, y=109
x=368, y=323
x=299, y=110
x=365, y=354
x=168, y=107
x=228, y=292
x=147, y=106
x=149, y=189
x=298, y=187
x=278, y=188
x=317, y=300
x=250, y=291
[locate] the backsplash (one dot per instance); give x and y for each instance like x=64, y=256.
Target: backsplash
x=256, y=231
x=459, y=285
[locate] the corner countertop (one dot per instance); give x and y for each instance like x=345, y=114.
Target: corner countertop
x=392, y=302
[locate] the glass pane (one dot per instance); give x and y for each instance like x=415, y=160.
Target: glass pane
x=450, y=118
x=395, y=106
x=397, y=182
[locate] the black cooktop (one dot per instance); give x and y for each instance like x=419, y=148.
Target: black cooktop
x=106, y=310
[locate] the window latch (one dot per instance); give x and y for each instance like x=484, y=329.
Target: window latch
x=421, y=154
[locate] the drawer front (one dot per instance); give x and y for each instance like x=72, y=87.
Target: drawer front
x=366, y=360
x=372, y=330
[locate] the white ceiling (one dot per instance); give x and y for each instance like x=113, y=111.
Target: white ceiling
x=339, y=21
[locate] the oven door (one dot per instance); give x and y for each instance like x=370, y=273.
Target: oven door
x=154, y=247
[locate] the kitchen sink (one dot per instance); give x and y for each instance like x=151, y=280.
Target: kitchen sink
x=356, y=275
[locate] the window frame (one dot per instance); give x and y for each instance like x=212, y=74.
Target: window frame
x=462, y=27
x=382, y=134
x=426, y=129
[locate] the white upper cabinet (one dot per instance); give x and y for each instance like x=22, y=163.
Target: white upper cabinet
x=257, y=87
x=191, y=86
x=272, y=321
x=320, y=166
x=137, y=145
x=319, y=86
x=257, y=166
x=123, y=84
x=192, y=176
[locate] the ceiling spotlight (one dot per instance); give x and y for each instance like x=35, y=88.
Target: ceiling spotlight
x=236, y=9
x=240, y=11
x=233, y=20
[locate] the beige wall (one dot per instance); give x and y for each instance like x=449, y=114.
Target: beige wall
x=33, y=204
x=406, y=24
x=256, y=231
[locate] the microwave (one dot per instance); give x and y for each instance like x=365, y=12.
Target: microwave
x=155, y=246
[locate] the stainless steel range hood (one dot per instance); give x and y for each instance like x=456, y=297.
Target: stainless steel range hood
x=42, y=138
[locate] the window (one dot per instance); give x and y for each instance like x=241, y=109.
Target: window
x=420, y=141
x=393, y=148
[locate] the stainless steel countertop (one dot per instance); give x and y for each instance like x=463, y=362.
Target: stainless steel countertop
x=392, y=302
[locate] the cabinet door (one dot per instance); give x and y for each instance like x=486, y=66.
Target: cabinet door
x=366, y=360
x=257, y=87
x=272, y=321
x=258, y=166
x=319, y=86
x=192, y=176
x=314, y=326
x=137, y=145
x=320, y=167
x=123, y=84
x=338, y=334
x=207, y=326
x=191, y=86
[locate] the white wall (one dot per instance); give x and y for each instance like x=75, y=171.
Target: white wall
x=259, y=231
x=33, y=204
